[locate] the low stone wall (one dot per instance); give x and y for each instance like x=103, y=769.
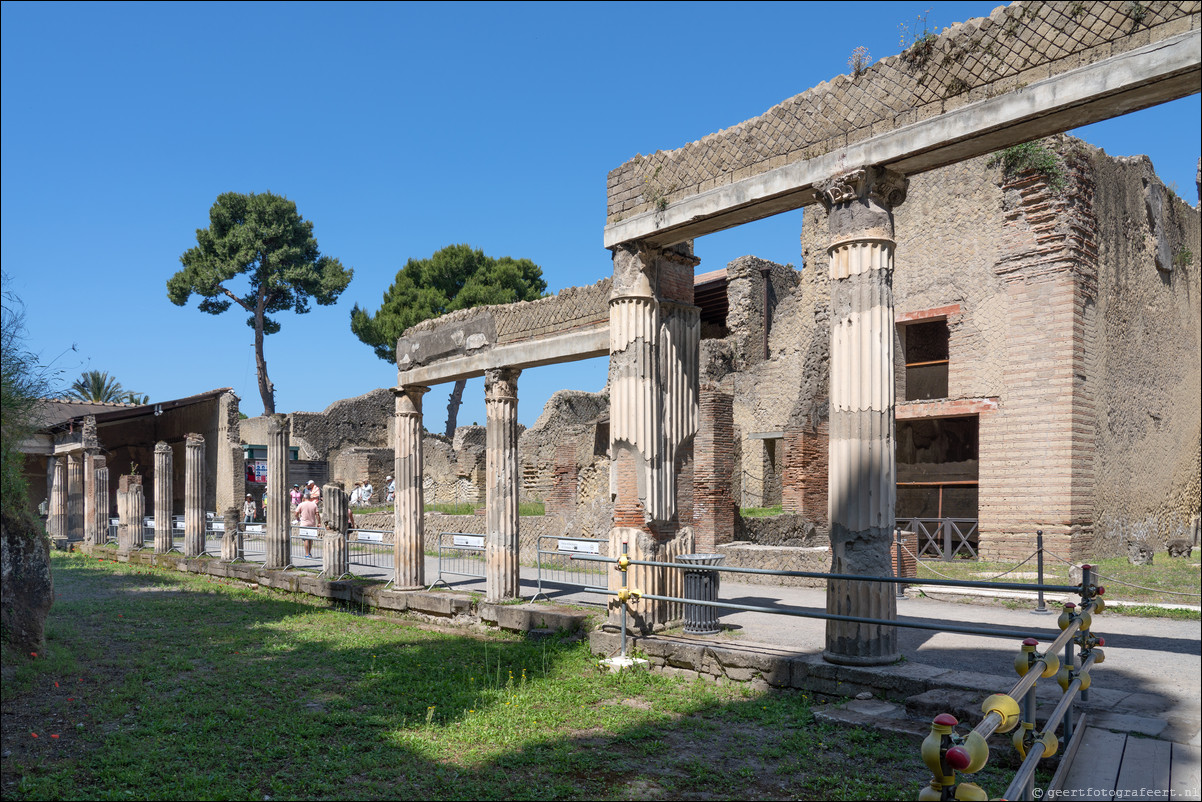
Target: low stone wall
x=459, y=608
x=765, y=667
x=788, y=529
x=775, y=558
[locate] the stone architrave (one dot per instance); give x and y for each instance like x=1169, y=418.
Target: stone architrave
x=501, y=569
x=862, y=473
x=89, y=498
x=335, y=504
x=409, y=542
x=103, y=509
x=654, y=334
x=57, y=521
x=275, y=502
x=74, y=495
x=194, y=495
x=162, y=498
x=231, y=539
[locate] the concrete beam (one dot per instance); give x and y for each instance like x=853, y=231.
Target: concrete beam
x=571, y=346
x=1130, y=81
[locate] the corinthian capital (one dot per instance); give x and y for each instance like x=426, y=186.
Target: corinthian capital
x=878, y=184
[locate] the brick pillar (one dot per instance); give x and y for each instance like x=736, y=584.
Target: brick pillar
x=335, y=502
x=503, y=480
x=862, y=469
x=57, y=522
x=104, y=509
x=561, y=499
x=275, y=502
x=713, y=498
x=804, y=481
x=654, y=338
x=162, y=498
x=194, y=495
x=409, y=540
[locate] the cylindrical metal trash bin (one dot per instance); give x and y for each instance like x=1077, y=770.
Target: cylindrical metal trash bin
x=701, y=585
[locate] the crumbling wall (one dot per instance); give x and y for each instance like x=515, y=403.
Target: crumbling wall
x=1146, y=374
x=569, y=417
x=362, y=421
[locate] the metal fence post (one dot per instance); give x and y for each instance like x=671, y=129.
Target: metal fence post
x=946, y=526
x=897, y=563
x=1040, y=607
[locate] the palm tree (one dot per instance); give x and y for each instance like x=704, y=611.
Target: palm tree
x=98, y=386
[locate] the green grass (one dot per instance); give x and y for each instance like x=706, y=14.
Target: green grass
x=1168, y=580
x=168, y=686
x=761, y=512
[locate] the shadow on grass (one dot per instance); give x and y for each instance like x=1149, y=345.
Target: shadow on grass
x=196, y=687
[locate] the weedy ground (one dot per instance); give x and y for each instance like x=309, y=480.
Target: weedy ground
x=161, y=685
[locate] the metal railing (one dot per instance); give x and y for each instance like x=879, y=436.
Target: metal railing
x=1003, y=712
x=944, y=538
x=305, y=547
x=254, y=543
x=459, y=554
x=367, y=548
x=555, y=566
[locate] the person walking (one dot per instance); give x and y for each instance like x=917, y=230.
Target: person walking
x=249, y=509
x=306, y=516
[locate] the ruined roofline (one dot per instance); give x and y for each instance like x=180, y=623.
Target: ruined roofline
x=1027, y=70
x=115, y=411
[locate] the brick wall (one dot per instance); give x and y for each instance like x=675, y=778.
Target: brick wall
x=561, y=499
x=714, y=508
x=806, y=457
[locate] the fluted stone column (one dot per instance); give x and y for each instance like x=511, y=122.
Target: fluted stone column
x=231, y=540
x=335, y=561
x=654, y=333
x=862, y=477
x=135, y=511
x=502, y=482
x=75, y=495
x=194, y=494
x=275, y=503
x=89, y=499
x=409, y=541
x=103, y=509
x=162, y=497
x=57, y=522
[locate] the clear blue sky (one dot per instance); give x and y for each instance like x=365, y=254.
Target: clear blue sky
x=397, y=129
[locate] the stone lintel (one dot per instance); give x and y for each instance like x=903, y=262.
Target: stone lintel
x=1137, y=79
x=570, y=346
x=959, y=407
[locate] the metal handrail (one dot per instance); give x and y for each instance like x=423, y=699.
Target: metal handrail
x=854, y=577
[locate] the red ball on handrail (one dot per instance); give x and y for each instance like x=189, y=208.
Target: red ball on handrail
x=946, y=720
x=958, y=758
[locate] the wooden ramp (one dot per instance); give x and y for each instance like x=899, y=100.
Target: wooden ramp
x=1111, y=765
